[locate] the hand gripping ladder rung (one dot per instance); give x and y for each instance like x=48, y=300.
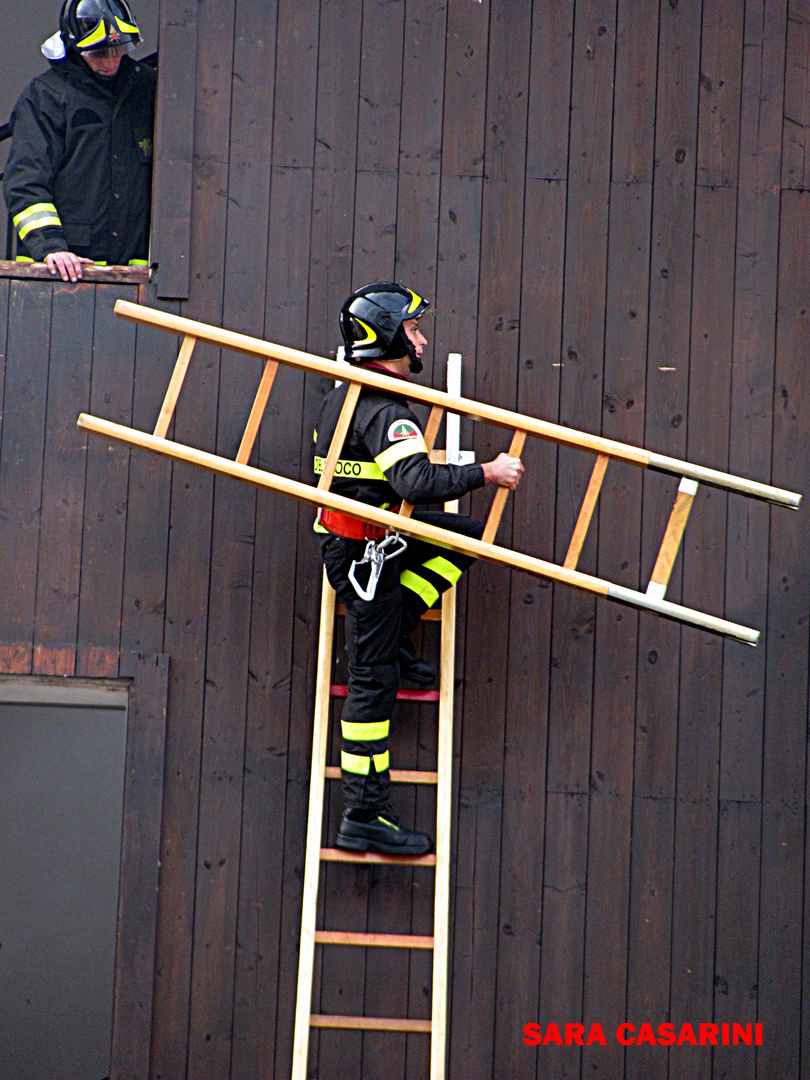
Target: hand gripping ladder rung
x=453, y=405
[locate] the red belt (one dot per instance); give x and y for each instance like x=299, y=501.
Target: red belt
x=351, y=528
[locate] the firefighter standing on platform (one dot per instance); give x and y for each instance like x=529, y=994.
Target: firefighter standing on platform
x=384, y=461
x=79, y=173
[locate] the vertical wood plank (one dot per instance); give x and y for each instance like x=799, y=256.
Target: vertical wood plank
x=581, y=394
x=474, y=1013
x=63, y=480
x=333, y=199
x=521, y=892
x=229, y=586
x=735, y=962
x=694, y=900
x=21, y=456
x=256, y=931
x=610, y=984
x=562, y=942
x=182, y=1008
x=649, y=939
x=552, y=58
x=421, y=155
x=296, y=81
x=140, y=863
x=795, y=163
x=465, y=88
x=174, y=148
x=149, y=498
x=784, y=783
x=106, y=492
x=752, y=376
x=608, y=956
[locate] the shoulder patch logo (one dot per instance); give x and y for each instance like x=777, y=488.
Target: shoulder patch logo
x=403, y=429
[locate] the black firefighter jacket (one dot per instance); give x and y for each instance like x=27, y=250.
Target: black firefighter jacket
x=79, y=172
x=384, y=458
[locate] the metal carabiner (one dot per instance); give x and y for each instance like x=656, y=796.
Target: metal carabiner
x=377, y=555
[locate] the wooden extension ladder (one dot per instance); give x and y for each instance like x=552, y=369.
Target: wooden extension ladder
x=305, y=1019
x=652, y=599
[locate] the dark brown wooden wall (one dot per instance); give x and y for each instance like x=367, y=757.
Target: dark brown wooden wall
x=609, y=203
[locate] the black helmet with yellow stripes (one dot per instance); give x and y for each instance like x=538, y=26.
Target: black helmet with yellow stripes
x=371, y=323
x=91, y=25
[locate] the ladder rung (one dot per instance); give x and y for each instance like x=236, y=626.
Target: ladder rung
x=390, y=941
x=341, y=690
x=369, y=1023
x=398, y=776
x=431, y=615
x=329, y=854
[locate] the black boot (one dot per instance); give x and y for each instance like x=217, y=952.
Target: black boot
x=411, y=667
x=380, y=831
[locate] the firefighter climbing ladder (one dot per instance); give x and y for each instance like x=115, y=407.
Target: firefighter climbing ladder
x=521, y=426
x=315, y=854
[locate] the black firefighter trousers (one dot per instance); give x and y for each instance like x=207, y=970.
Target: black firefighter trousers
x=408, y=586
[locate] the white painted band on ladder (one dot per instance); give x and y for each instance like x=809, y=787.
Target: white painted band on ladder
x=683, y=614
x=656, y=590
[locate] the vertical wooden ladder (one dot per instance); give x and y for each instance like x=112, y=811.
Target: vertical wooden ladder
x=305, y=1019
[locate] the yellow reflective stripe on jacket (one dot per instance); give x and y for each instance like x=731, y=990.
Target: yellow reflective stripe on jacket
x=444, y=568
x=138, y=262
x=23, y=258
x=358, y=731
x=35, y=208
x=417, y=584
x=37, y=216
x=382, y=762
x=364, y=470
x=359, y=764
x=399, y=450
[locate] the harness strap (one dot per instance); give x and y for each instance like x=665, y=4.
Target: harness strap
x=351, y=528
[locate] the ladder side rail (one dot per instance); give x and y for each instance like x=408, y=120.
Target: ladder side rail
x=667, y=553
x=175, y=386
x=542, y=429
x=339, y=437
x=502, y=494
x=306, y=959
x=479, y=550
x=431, y=431
x=586, y=512
x=444, y=805
x=257, y=411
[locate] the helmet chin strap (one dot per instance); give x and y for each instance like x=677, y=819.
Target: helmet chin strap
x=416, y=363
x=401, y=345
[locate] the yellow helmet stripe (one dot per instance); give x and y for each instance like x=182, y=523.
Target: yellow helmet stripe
x=127, y=28
x=94, y=37
x=372, y=335
x=415, y=302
